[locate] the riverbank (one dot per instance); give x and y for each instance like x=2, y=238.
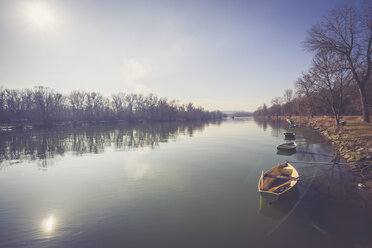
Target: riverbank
x=353, y=141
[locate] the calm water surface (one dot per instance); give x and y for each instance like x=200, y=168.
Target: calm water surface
x=172, y=185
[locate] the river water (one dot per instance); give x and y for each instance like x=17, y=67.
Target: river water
x=188, y=184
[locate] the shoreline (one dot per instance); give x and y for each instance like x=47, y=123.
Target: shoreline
x=353, y=142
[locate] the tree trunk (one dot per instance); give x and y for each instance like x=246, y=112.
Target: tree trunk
x=363, y=99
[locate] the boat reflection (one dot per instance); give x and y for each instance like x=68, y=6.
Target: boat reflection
x=280, y=208
x=286, y=153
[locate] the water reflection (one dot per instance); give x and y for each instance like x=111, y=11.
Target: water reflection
x=48, y=144
x=280, y=208
x=328, y=205
x=181, y=195
x=48, y=225
x=286, y=153
x=136, y=169
x=311, y=145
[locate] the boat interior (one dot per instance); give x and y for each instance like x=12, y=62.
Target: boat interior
x=274, y=178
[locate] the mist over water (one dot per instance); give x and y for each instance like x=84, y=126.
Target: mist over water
x=178, y=184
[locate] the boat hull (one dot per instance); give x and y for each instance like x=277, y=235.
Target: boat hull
x=269, y=196
x=287, y=146
x=286, y=149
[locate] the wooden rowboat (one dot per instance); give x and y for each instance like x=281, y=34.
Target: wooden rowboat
x=277, y=181
x=289, y=135
x=287, y=146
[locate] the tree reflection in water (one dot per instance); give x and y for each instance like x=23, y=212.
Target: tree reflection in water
x=45, y=145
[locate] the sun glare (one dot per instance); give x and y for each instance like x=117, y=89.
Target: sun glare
x=48, y=224
x=39, y=15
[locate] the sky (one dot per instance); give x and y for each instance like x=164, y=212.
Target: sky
x=226, y=55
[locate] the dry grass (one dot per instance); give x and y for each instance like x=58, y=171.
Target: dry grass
x=355, y=130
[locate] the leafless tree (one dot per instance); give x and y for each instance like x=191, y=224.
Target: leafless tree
x=27, y=104
x=347, y=32
x=331, y=77
x=288, y=95
x=95, y=105
x=47, y=101
x=13, y=100
x=305, y=87
x=130, y=101
x=264, y=109
x=275, y=106
x=2, y=99
x=287, y=100
x=77, y=101
x=118, y=104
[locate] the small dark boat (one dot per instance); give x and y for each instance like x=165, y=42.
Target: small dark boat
x=289, y=135
x=287, y=146
x=290, y=121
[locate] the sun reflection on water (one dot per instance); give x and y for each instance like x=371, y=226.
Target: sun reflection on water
x=48, y=224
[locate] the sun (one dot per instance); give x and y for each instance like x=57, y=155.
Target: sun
x=39, y=15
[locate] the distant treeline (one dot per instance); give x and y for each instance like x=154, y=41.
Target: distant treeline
x=339, y=80
x=44, y=105
x=241, y=114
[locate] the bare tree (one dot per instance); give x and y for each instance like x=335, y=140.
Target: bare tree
x=77, y=102
x=275, y=106
x=13, y=100
x=288, y=95
x=2, y=104
x=130, y=101
x=2, y=99
x=347, y=32
x=47, y=101
x=287, y=99
x=118, y=104
x=27, y=100
x=305, y=86
x=95, y=105
x=331, y=77
x=264, y=109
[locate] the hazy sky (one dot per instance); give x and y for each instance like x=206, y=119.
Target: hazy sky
x=227, y=55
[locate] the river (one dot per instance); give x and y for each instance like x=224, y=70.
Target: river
x=180, y=184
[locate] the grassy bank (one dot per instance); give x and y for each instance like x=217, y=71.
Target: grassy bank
x=353, y=141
